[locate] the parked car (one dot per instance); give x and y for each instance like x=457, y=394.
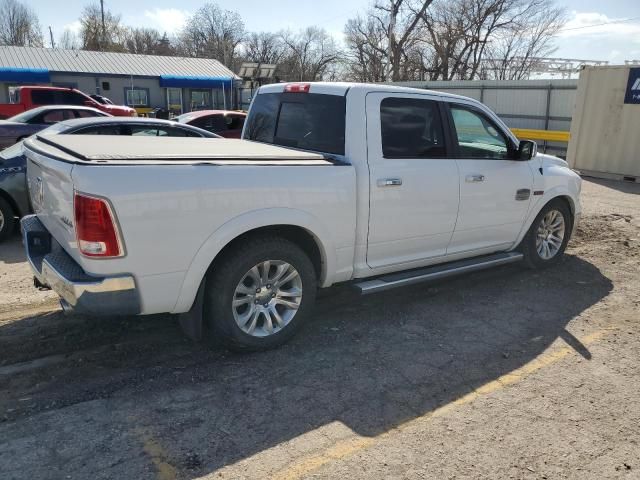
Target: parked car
x=225, y=123
x=14, y=202
x=27, y=123
x=26, y=98
x=384, y=187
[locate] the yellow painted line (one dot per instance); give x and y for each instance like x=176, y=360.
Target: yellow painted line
x=158, y=456
x=357, y=443
x=548, y=135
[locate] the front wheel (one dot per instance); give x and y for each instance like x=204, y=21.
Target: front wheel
x=548, y=235
x=257, y=297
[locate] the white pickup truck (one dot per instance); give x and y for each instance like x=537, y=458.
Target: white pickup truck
x=379, y=186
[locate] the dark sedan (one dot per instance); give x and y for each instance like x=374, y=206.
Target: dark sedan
x=14, y=199
x=25, y=124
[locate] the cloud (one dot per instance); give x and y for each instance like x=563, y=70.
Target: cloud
x=594, y=24
x=169, y=20
x=73, y=27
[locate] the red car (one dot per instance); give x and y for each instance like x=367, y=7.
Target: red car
x=225, y=123
x=26, y=98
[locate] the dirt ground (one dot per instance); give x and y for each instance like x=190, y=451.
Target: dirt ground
x=507, y=373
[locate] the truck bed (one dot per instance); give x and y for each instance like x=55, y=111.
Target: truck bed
x=106, y=149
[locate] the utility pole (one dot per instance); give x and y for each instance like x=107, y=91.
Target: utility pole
x=53, y=44
x=104, y=30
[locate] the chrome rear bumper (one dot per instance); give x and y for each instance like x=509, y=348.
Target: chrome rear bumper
x=80, y=292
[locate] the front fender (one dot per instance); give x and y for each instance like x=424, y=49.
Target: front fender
x=245, y=223
x=569, y=190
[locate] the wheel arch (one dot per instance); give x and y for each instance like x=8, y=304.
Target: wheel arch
x=295, y=225
x=11, y=201
x=550, y=196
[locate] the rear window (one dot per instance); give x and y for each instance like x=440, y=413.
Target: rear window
x=308, y=121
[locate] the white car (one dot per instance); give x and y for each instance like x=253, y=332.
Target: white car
x=380, y=186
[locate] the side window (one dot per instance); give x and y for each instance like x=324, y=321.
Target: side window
x=86, y=114
x=411, y=128
x=99, y=130
x=72, y=98
x=477, y=136
x=213, y=123
x=235, y=122
x=42, y=97
x=55, y=116
x=144, y=131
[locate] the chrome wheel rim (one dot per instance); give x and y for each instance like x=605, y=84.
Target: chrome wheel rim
x=267, y=298
x=550, y=234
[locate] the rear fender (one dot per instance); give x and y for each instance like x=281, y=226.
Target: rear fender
x=243, y=224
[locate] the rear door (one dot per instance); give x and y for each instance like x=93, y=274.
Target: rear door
x=495, y=189
x=414, y=189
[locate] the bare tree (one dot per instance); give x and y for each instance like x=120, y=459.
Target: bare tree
x=93, y=36
x=264, y=47
x=399, y=19
x=213, y=33
x=19, y=25
x=147, y=41
x=69, y=40
x=513, y=53
x=310, y=54
x=458, y=34
x=366, y=55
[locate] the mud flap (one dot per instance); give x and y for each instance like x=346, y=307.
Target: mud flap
x=191, y=322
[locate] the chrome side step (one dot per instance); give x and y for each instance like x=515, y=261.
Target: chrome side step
x=436, y=272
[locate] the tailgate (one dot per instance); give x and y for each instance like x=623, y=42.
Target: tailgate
x=51, y=194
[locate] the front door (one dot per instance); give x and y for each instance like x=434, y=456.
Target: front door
x=495, y=189
x=413, y=183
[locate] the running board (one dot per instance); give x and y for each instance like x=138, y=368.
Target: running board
x=437, y=272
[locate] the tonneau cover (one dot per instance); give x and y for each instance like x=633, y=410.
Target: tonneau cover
x=126, y=150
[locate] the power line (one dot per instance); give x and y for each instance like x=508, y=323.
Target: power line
x=600, y=24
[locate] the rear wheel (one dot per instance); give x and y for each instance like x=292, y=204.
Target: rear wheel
x=257, y=297
x=7, y=220
x=548, y=235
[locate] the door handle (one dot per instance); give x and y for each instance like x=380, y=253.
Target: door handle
x=389, y=182
x=474, y=178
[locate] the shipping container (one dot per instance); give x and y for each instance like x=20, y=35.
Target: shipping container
x=605, y=132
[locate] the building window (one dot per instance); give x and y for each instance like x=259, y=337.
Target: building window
x=137, y=97
x=106, y=86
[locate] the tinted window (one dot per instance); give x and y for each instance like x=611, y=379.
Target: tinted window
x=42, y=97
x=235, y=122
x=86, y=114
x=212, y=123
x=99, y=130
x=411, y=128
x=70, y=98
x=309, y=121
x=477, y=136
x=54, y=116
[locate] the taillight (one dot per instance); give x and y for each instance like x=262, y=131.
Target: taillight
x=297, y=87
x=95, y=227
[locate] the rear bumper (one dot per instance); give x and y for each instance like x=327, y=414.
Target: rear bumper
x=80, y=292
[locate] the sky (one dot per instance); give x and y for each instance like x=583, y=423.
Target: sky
x=594, y=30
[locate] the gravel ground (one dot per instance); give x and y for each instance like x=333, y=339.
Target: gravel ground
x=507, y=373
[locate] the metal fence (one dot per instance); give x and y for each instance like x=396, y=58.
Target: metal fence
x=521, y=104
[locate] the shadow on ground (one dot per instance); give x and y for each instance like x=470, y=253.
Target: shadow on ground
x=620, y=186
x=370, y=363
x=11, y=250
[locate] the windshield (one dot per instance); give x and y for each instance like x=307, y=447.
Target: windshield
x=308, y=121
x=23, y=117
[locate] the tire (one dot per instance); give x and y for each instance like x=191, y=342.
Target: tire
x=536, y=255
x=7, y=220
x=236, y=289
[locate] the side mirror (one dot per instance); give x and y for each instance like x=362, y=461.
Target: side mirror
x=527, y=149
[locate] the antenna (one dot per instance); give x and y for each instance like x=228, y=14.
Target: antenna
x=53, y=44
